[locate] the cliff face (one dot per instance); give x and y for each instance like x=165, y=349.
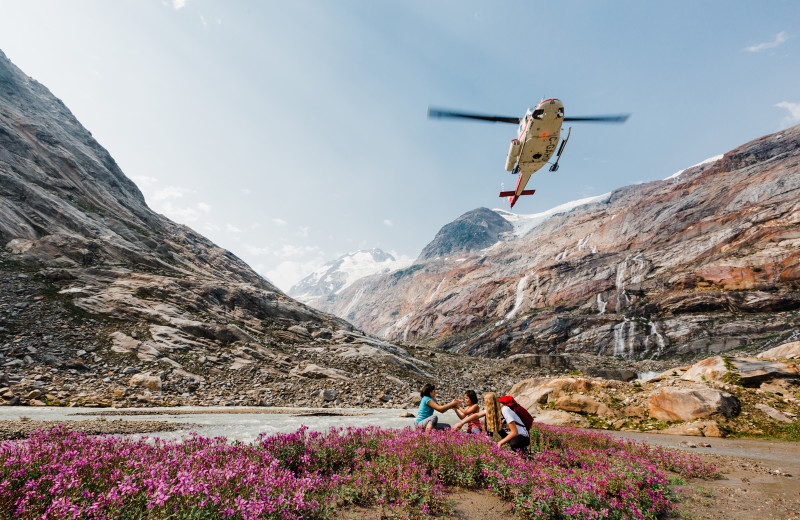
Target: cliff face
x=705, y=261
x=72, y=218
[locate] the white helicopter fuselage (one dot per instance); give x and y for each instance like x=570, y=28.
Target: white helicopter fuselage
x=537, y=139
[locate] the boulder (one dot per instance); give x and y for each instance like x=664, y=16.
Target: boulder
x=750, y=371
x=696, y=429
x=147, y=381
x=581, y=404
x=531, y=391
x=329, y=395
x=123, y=344
x=773, y=414
x=317, y=372
x=753, y=371
x=781, y=387
x=673, y=404
x=239, y=363
x=785, y=351
x=33, y=394
x=561, y=418
x=297, y=329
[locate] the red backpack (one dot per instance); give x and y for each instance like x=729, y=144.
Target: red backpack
x=509, y=401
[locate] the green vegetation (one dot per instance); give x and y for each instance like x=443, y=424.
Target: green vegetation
x=732, y=376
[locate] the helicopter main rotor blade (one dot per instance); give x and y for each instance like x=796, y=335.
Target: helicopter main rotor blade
x=442, y=114
x=621, y=118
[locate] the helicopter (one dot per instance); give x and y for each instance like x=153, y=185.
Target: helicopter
x=538, y=133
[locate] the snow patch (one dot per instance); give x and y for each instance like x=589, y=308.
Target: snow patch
x=524, y=223
x=707, y=161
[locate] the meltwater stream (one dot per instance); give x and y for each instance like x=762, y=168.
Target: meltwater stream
x=234, y=423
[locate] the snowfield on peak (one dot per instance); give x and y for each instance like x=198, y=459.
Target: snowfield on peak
x=707, y=161
x=337, y=275
x=524, y=223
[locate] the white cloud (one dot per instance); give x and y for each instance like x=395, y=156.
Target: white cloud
x=402, y=259
x=288, y=273
x=177, y=213
x=179, y=4
x=388, y=223
x=779, y=39
x=210, y=226
x=171, y=192
x=794, y=111
x=303, y=231
x=143, y=181
x=247, y=191
x=279, y=221
x=203, y=21
x=202, y=206
x=291, y=251
x=257, y=251
x=232, y=229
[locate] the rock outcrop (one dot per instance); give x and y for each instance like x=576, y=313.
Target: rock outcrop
x=670, y=403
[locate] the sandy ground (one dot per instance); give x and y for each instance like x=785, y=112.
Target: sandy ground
x=761, y=479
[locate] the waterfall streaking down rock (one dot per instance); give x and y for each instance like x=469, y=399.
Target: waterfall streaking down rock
x=520, y=297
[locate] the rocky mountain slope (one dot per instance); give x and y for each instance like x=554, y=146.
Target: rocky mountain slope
x=703, y=262
x=85, y=260
x=339, y=274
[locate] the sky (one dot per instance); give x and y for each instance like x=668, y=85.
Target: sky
x=293, y=132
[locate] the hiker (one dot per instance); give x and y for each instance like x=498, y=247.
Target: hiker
x=471, y=408
x=504, y=421
x=425, y=417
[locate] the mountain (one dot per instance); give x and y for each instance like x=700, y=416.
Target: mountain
x=472, y=231
x=705, y=261
x=339, y=274
x=95, y=282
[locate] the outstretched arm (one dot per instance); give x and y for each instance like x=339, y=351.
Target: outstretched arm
x=443, y=408
x=469, y=418
x=463, y=412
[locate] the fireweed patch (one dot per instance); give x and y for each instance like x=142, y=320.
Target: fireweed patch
x=570, y=474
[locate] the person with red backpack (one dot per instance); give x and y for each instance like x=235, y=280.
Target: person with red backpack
x=504, y=416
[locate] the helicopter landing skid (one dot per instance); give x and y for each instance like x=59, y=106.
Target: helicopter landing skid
x=554, y=166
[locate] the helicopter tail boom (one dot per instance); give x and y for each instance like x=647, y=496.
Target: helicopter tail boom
x=513, y=197
x=512, y=193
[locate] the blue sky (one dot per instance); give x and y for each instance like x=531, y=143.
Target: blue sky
x=293, y=132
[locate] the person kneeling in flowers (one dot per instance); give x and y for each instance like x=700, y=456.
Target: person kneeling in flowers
x=425, y=417
x=503, y=421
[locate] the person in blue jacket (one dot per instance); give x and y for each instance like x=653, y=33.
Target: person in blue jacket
x=425, y=417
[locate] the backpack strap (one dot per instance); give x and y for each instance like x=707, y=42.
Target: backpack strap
x=515, y=422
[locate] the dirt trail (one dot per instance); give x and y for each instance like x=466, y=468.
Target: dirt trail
x=761, y=479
